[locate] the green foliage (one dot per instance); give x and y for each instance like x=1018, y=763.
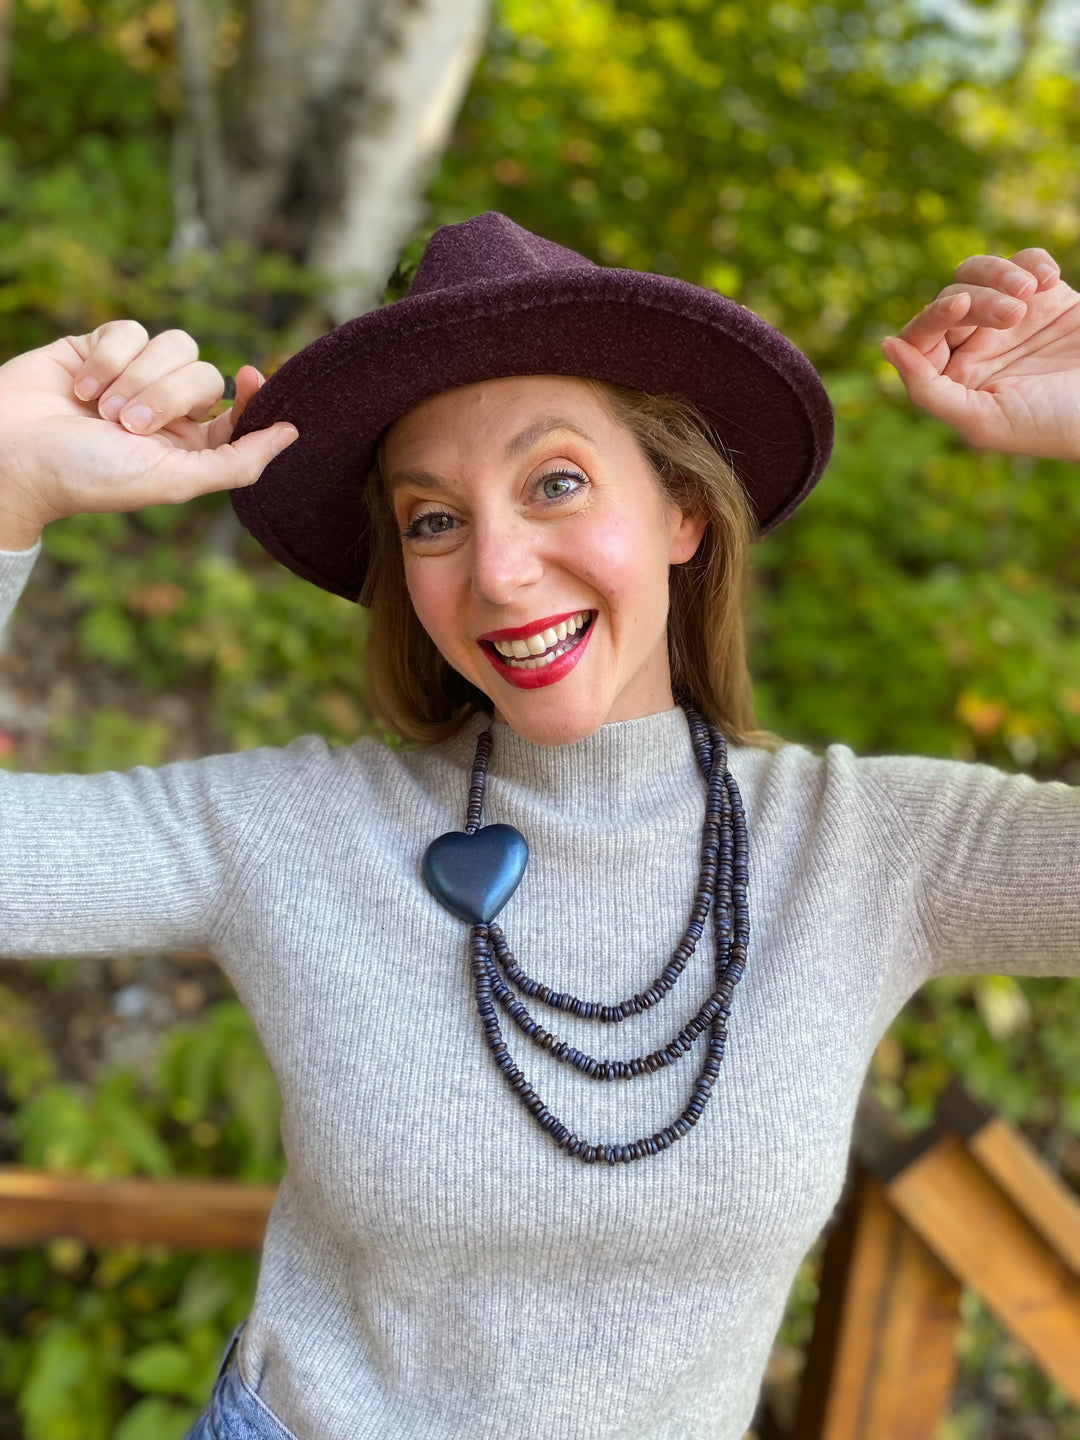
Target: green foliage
x=925, y=599
x=65, y=1391
x=125, y=1342
x=218, y=1084
x=85, y=195
x=998, y=1382
x=150, y=602
x=103, y=1134
x=828, y=165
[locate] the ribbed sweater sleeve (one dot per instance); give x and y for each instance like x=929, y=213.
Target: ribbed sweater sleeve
x=15, y=568
x=134, y=861
x=994, y=861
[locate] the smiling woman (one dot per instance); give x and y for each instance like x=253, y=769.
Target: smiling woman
x=600, y=485
x=543, y=477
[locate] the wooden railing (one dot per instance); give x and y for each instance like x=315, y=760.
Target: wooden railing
x=967, y=1203
x=36, y=1205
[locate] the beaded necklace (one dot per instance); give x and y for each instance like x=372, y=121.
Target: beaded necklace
x=475, y=873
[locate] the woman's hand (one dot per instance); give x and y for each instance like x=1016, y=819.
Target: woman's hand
x=111, y=421
x=997, y=356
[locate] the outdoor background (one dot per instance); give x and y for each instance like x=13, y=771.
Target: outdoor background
x=827, y=165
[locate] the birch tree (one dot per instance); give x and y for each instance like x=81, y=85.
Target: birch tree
x=311, y=127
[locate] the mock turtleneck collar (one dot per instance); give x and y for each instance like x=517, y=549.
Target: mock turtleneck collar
x=629, y=767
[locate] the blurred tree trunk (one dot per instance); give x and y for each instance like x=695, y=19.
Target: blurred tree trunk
x=311, y=127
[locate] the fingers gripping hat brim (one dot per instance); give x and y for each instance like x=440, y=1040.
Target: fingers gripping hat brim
x=765, y=401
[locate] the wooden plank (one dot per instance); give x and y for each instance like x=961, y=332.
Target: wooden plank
x=881, y=1360
x=977, y=1231
x=36, y=1205
x=1032, y=1187
x=1018, y=1168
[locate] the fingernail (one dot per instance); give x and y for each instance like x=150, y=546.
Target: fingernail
x=1016, y=284
x=87, y=388
x=1043, y=273
x=283, y=439
x=138, y=417
x=1009, y=311
x=110, y=409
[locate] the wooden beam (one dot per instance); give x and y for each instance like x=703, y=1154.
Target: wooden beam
x=973, y=1226
x=36, y=1205
x=881, y=1360
x=1003, y=1152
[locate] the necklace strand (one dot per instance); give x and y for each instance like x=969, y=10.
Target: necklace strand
x=721, y=888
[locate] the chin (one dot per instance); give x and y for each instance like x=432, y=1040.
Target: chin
x=550, y=721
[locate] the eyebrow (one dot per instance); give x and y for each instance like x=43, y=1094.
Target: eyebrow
x=519, y=445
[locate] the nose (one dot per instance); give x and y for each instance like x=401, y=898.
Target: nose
x=505, y=558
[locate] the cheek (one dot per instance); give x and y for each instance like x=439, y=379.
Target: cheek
x=626, y=563
x=430, y=599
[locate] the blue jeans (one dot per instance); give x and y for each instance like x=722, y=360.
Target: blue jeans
x=235, y=1412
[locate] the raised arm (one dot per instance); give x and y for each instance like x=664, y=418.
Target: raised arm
x=140, y=860
x=997, y=356
x=113, y=421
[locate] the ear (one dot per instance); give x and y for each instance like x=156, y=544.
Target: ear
x=687, y=536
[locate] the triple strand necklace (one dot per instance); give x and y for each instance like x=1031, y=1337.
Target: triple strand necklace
x=474, y=873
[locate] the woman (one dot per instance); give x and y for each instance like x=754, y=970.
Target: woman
x=453, y=1253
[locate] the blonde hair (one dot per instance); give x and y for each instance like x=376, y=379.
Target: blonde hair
x=414, y=692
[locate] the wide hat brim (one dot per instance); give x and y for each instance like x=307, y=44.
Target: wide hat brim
x=764, y=399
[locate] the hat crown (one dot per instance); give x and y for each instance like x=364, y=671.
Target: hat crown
x=489, y=247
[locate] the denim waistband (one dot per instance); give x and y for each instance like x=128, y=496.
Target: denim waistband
x=235, y=1412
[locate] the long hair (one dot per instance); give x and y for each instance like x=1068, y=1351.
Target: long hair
x=414, y=692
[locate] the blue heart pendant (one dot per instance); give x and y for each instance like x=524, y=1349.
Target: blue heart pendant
x=475, y=875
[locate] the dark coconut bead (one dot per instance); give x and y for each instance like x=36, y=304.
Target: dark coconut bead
x=722, y=884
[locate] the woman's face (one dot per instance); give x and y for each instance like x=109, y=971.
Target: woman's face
x=537, y=543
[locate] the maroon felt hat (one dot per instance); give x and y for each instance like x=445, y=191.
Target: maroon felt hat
x=490, y=299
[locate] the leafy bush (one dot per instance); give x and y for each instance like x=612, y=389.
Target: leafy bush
x=124, y=1342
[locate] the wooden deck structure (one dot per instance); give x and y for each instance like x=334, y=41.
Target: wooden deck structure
x=968, y=1203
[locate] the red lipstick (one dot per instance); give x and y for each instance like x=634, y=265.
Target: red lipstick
x=533, y=628
x=549, y=674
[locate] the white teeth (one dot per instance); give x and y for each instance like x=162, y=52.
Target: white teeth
x=537, y=650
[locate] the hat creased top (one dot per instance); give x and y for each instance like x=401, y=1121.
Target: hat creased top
x=491, y=300
x=489, y=247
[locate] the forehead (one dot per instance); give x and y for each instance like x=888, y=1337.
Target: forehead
x=514, y=409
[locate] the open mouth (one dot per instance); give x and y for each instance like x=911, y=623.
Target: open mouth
x=535, y=651
x=543, y=655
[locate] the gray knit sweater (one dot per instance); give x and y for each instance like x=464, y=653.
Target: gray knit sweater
x=434, y=1268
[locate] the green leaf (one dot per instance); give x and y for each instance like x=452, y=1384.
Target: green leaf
x=154, y=1418
x=66, y=1394
x=165, y=1368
